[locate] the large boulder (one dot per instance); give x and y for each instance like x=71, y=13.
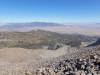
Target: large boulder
x=54, y=46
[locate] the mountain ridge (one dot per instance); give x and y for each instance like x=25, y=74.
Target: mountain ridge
x=31, y=24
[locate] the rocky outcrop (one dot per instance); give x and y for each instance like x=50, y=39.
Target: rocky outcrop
x=72, y=67
x=55, y=46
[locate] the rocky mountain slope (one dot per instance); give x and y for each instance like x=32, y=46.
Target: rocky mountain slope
x=83, y=62
x=35, y=62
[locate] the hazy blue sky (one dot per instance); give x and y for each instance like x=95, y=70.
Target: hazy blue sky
x=50, y=10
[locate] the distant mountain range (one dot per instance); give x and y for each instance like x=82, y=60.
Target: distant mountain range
x=84, y=28
x=32, y=24
x=46, y=24
x=28, y=26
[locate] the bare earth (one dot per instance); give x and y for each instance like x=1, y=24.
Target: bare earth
x=20, y=55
